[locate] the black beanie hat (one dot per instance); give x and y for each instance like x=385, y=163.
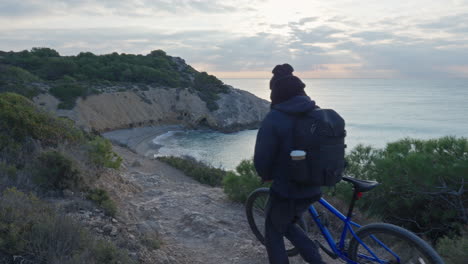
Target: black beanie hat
x=284, y=85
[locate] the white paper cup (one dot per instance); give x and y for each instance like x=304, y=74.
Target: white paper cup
x=298, y=155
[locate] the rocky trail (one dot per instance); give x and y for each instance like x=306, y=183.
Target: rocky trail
x=196, y=223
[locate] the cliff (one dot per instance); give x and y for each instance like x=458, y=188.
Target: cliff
x=113, y=91
x=157, y=106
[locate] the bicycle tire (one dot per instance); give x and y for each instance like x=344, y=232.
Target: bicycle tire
x=255, y=211
x=405, y=244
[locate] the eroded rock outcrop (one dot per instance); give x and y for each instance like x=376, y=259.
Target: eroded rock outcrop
x=158, y=106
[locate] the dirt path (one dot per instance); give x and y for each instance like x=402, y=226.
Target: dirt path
x=197, y=223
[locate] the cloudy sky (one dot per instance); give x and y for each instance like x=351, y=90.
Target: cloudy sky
x=246, y=38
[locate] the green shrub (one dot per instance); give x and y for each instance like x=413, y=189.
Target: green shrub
x=18, y=80
x=421, y=183
x=239, y=184
x=8, y=171
x=21, y=120
x=17, y=211
x=454, y=250
x=32, y=229
x=208, y=87
x=154, y=68
x=57, y=172
x=101, y=154
x=68, y=93
x=151, y=241
x=105, y=252
x=102, y=198
x=195, y=169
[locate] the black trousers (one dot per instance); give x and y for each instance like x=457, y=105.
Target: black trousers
x=281, y=216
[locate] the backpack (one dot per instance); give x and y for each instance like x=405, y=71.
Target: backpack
x=320, y=133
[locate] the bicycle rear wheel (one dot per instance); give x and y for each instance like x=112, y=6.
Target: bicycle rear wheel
x=255, y=209
x=391, y=244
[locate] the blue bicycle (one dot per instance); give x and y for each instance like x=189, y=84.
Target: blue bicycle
x=373, y=243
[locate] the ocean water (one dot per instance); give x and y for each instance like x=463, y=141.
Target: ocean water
x=376, y=111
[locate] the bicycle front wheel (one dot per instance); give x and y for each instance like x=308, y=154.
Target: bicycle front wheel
x=255, y=209
x=391, y=244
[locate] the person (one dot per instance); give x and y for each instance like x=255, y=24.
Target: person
x=288, y=201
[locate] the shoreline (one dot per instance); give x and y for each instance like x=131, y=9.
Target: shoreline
x=140, y=139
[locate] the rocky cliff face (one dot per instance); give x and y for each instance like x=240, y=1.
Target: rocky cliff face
x=158, y=106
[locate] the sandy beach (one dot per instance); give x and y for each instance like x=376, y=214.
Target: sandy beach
x=140, y=139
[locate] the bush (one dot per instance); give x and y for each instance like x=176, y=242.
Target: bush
x=18, y=80
x=421, y=183
x=101, y=154
x=31, y=229
x=101, y=198
x=57, y=172
x=68, y=93
x=154, y=68
x=105, y=252
x=151, y=241
x=208, y=87
x=21, y=120
x=195, y=169
x=239, y=184
x=454, y=250
x=7, y=171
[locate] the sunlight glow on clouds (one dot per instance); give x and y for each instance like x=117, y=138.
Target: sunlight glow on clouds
x=246, y=38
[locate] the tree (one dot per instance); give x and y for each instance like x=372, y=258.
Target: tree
x=44, y=52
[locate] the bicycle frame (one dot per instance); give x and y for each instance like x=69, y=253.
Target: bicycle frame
x=339, y=248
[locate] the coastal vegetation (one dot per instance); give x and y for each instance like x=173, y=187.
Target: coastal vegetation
x=240, y=183
x=422, y=184
x=33, y=231
x=42, y=156
x=70, y=77
x=197, y=170
x=31, y=138
x=101, y=198
x=454, y=250
x=237, y=184
x=422, y=187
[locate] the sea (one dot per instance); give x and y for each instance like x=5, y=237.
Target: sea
x=376, y=112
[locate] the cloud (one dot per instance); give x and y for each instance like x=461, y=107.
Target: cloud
x=230, y=35
x=373, y=35
x=14, y=8
x=454, y=24
x=304, y=20
x=318, y=34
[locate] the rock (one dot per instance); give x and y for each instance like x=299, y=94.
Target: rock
x=110, y=111
x=136, y=163
x=68, y=193
x=114, y=231
x=148, y=227
x=133, y=255
x=98, y=230
x=86, y=214
x=108, y=228
x=197, y=224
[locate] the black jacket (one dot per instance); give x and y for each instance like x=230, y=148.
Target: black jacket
x=274, y=143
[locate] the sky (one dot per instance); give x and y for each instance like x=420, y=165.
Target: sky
x=247, y=38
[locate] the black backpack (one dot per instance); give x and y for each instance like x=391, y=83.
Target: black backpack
x=320, y=133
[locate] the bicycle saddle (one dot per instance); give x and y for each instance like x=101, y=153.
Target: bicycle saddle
x=361, y=185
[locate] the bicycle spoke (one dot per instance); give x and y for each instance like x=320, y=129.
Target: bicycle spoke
x=390, y=246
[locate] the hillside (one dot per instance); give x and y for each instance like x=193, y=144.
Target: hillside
x=113, y=91
x=62, y=186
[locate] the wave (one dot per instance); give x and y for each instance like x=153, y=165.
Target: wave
x=162, y=139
